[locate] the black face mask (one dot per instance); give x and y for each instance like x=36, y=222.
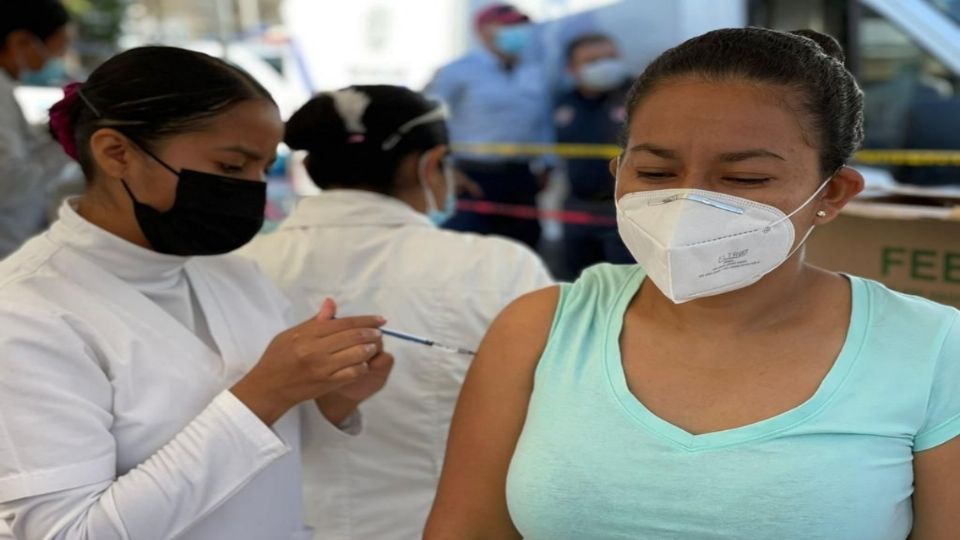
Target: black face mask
x=211, y=214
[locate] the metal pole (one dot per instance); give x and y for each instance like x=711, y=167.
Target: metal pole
x=225, y=24
x=249, y=15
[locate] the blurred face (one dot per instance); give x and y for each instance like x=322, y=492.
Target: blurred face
x=592, y=52
x=505, y=39
x=240, y=143
x=740, y=139
x=31, y=53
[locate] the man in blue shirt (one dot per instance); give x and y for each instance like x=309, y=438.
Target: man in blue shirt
x=495, y=95
x=592, y=113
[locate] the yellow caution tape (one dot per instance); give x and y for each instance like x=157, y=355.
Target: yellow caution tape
x=594, y=151
x=915, y=158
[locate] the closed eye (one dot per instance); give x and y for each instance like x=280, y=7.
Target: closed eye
x=655, y=175
x=748, y=181
x=226, y=168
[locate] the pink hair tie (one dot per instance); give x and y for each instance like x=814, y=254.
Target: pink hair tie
x=62, y=115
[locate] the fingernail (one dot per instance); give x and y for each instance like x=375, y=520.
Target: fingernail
x=370, y=348
x=374, y=333
x=381, y=320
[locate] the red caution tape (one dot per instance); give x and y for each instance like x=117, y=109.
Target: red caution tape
x=518, y=211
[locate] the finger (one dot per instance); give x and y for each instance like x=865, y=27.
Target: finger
x=349, y=338
x=349, y=374
x=323, y=328
x=354, y=355
x=328, y=310
x=323, y=364
x=381, y=363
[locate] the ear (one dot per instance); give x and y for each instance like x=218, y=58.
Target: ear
x=433, y=162
x=846, y=184
x=112, y=152
x=614, y=166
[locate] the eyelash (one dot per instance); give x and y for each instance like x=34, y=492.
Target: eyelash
x=742, y=181
x=230, y=169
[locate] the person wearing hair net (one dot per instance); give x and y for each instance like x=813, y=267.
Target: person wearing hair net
x=371, y=240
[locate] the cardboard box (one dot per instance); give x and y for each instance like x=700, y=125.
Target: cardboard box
x=908, y=239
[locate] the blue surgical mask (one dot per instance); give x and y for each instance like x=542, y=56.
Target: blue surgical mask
x=53, y=73
x=603, y=75
x=511, y=40
x=439, y=216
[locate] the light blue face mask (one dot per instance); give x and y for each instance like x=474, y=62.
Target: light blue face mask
x=511, y=40
x=439, y=216
x=53, y=73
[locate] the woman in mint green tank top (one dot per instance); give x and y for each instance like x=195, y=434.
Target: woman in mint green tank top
x=722, y=387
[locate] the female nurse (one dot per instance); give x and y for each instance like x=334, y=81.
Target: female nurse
x=722, y=388
x=150, y=386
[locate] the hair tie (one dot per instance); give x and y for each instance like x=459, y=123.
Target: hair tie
x=62, y=116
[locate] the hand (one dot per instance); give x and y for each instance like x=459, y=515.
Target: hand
x=371, y=383
x=310, y=360
x=468, y=186
x=337, y=406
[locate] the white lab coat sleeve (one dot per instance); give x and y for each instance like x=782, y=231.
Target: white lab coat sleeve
x=58, y=475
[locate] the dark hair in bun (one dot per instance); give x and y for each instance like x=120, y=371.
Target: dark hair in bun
x=809, y=62
x=357, y=136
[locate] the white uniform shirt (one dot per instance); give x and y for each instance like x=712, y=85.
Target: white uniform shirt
x=30, y=167
x=115, y=421
x=375, y=255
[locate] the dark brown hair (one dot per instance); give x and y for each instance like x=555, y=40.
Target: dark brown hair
x=808, y=62
x=152, y=93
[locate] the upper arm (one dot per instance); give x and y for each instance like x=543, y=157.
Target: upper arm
x=55, y=407
x=444, y=85
x=471, y=498
x=936, y=463
x=936, y=495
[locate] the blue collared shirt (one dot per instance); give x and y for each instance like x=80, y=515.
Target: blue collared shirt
x=490, y=104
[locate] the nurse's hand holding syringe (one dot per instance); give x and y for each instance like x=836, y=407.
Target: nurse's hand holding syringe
x=338, y=362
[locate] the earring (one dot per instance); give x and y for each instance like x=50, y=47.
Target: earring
x=821, y=213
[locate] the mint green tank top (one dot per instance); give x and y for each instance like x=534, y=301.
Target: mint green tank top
x=593, y=462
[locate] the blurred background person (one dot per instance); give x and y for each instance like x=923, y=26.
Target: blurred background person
x=499, y=94
x=33, y=33
x=370, y=239
x=592, y=113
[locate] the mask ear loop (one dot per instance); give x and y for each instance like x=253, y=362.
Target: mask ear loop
x=427, y=192
x=812, y=227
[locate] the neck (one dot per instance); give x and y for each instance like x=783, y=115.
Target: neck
x=778, y=298
x=588, y=93
x=506, y=60
x=112, y=214
x=413, y=196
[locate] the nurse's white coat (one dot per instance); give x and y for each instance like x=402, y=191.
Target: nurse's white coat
x=114, y=418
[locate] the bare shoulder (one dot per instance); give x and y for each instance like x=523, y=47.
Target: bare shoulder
x=521, y=330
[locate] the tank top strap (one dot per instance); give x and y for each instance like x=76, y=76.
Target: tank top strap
x=585, y=311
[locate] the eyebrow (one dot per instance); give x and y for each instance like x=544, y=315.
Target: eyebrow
x=750, y=154
x=729, y=157
x=246, y=152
